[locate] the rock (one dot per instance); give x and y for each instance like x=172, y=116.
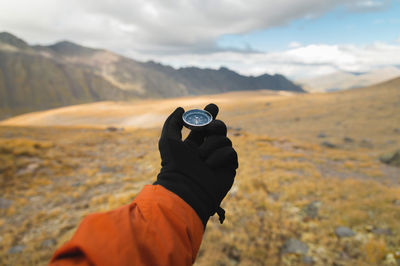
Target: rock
x=390, y=260
x=396, y=202
x=392, y=158
x=321, y=135
x=76, y=184
x=366, y=143
x=234, y=255
x=328, y=144
x=274, y=196
x=140, y=154
x=48, y=243
x=308, y=260
x=342, y=231
x=382, y=231
x=5, y=203
x=106, y=169
x=236, y=131
x=266, y=157
x=311, y=210
x=344, y=256
x=234, y=190
x=390, y=142
x=267, y=104
x=261, y=214
x=16, y=249
x=82, y=206
x=30, y=169
x=294, y=246
x=293, y=210
x=111, y=129
x=396, y=130
x=348, y=140
x=369, y=228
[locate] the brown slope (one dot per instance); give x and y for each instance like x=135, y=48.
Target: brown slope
x=369, y=114
x=29, y=81
x=42, y=77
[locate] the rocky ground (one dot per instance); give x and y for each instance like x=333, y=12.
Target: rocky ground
x=294, y=202
x=318, y=183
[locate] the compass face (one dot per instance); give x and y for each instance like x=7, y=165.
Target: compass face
x=196, y=118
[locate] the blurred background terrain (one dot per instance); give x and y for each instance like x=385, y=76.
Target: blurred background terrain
x=41, y=77
x=311, y=98
x=310, y=164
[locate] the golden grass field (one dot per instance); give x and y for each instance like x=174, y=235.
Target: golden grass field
x=58, y=166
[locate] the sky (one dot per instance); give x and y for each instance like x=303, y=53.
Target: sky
x=296, y=38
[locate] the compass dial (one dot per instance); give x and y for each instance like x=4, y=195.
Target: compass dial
x=196, y=118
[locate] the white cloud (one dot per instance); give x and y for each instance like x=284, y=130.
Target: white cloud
x=154, y=26
x=300, y=62
x=185, y=32
x=368, y=5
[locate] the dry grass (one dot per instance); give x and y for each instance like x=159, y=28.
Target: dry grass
x=89, y=170
x=45, y=171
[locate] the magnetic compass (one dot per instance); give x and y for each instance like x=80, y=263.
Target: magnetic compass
x=196, y=119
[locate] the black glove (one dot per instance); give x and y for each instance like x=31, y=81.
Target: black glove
x=201, y=169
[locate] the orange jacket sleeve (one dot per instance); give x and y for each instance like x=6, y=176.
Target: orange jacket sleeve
x=157, y=228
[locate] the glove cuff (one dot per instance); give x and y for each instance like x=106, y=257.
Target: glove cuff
x=190, y=193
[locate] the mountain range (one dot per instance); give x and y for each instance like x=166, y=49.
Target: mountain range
x=37, y=77
x=342, y=80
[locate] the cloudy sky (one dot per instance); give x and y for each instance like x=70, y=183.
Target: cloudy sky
x=298, y=38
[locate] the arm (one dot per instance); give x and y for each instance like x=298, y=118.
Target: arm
x=157, y=228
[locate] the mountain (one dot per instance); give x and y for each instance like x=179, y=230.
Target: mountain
x=13, y=41
x=41, y=77
x=222, y=80
x=342, y=80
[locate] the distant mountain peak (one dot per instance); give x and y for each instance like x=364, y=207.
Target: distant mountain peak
x=67, y=73
x=8, y=38
x=68, y=48
x=224, y=68
x=357, y=73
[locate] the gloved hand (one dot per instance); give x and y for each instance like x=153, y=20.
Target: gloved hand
x=201, y=169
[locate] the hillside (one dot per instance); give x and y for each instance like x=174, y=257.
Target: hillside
x=346, y=80
x=42, y=77
x=355, y=114
x=29, y=81
x=310, y=188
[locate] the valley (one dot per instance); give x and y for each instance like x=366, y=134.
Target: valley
x=310, y=184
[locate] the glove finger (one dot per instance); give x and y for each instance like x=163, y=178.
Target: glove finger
x=212, y=109
x=213, y=143
x=173, y=125
x=196, y=137
x=216, y=127
x=223, y=157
